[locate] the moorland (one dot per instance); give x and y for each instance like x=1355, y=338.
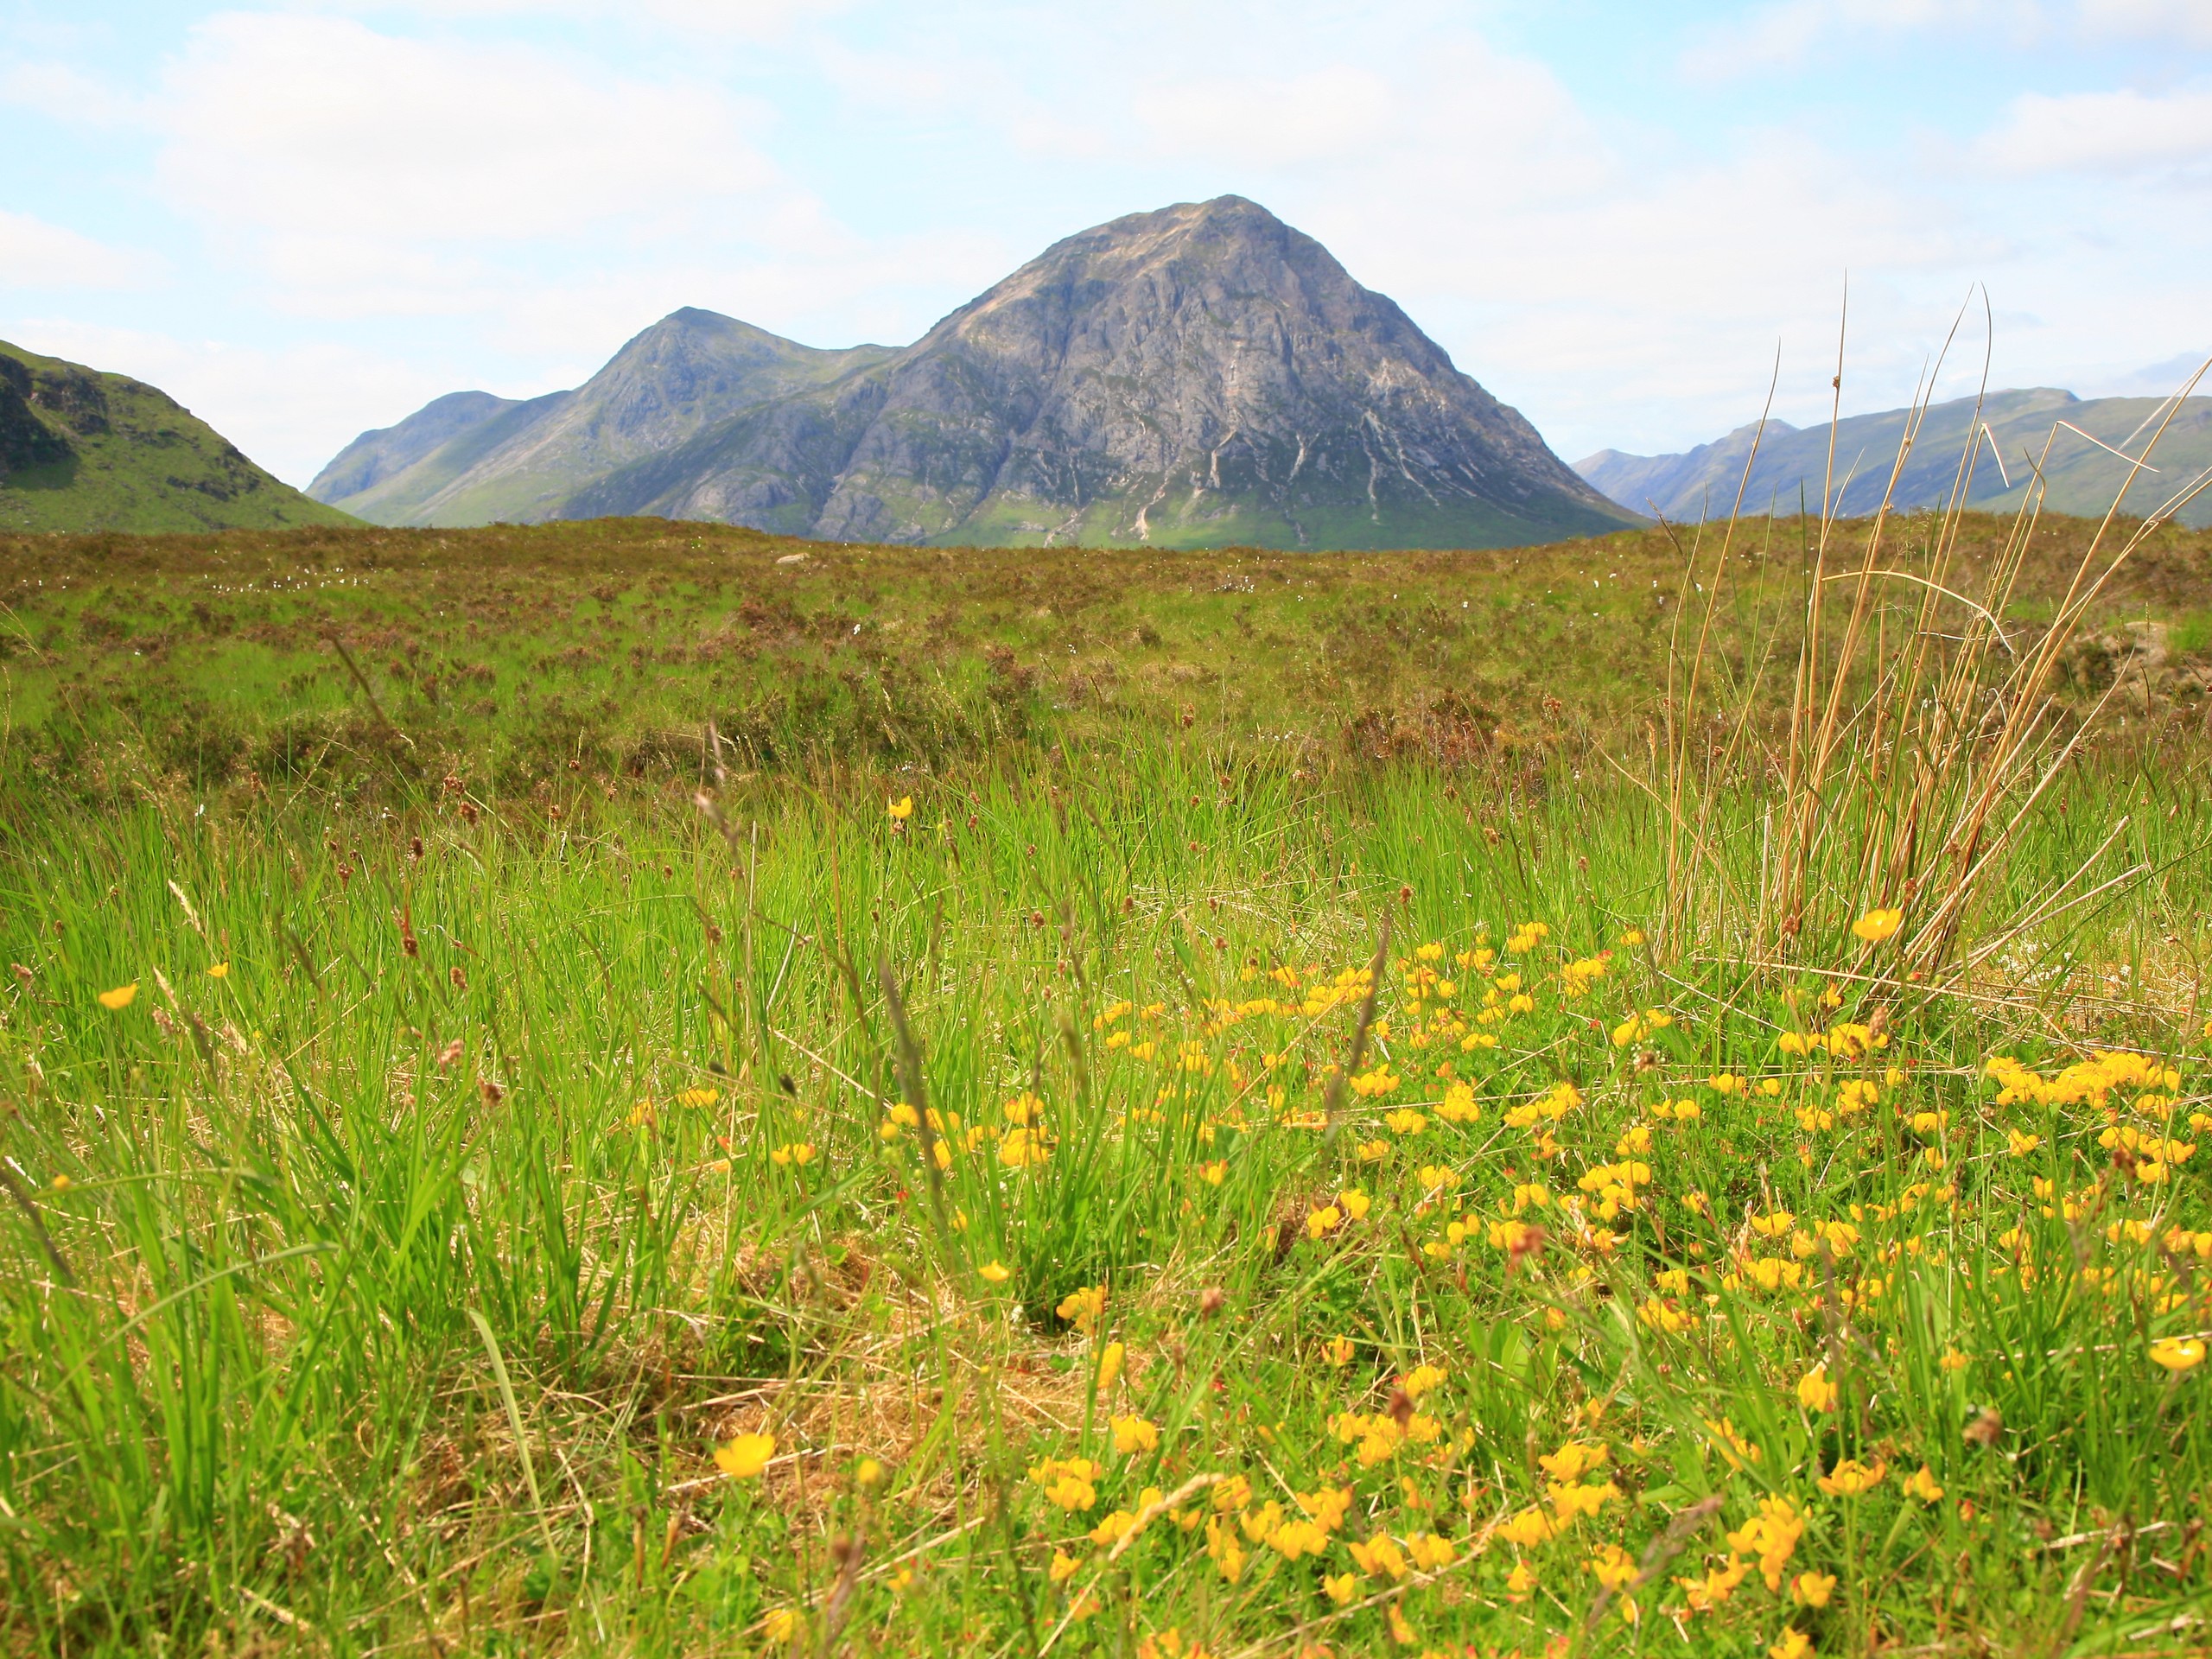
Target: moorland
x=645, y=1087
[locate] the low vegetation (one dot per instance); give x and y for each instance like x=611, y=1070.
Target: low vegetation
x=643, y=1088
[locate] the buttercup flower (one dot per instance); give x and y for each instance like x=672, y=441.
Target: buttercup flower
x=746, y=1456
x=2178, y=1354
x=1877, y=925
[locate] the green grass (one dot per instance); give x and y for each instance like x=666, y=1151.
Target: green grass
x=114, y=453
x=392, y=1290
x=205, y=665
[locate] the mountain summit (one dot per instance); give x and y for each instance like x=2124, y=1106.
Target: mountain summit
x=1201, y=375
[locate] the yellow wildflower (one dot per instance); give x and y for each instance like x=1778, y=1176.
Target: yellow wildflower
x=1815, y=1392
x=2178, y=1354
x=1380, y=1557
x=1229, y=1557
x=1573, y=1460
x=1850, y=1477
x=1114, y=1527
x=1772, y=1535
x=1132, y=1434
x=1876, y=926
x=1326, y=1507
x=1612, y=1567
x=1430, y=1553
x=120, y=998
x=1071, y=1483
x=1081, y=1309
x=746, y=1456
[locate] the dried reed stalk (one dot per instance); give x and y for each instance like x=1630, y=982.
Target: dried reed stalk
x=1921, y=735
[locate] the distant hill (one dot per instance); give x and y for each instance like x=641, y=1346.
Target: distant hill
x=84, y=450
x=1201, y=375
x=470, y=458
x=2082, y=477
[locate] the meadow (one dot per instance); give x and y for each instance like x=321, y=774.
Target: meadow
x=646, y=1088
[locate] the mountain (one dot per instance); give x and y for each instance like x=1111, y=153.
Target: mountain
x=1792, y=462
x=470, y=458
x=1201, y=375
x=373, y=457
x=84, y=450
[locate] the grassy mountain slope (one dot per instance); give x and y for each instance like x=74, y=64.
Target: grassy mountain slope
x=473, y=459
x=84, y=450
x=2083, y=478
x=376, y=457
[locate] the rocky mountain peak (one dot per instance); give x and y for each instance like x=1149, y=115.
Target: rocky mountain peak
x=1199, y=375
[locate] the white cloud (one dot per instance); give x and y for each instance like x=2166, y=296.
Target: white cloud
x=66, y=94
x=2106, y=131
x=2187, y=20
x=741, y=19
x=366, y=172
x=35, y=254
x=309, y=123
x=289, y=408
x=1332, y=114
x=1783, y=35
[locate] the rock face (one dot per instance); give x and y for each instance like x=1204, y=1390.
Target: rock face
x=1201, y=375
x=2022, y=436
x=85, y=450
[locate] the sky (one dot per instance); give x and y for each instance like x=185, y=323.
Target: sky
x=1625, y=218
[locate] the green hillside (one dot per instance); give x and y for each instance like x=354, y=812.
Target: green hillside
x=84, y=450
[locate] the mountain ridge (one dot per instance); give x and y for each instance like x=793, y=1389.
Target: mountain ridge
x=2082, y=477
x=1198, y=375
